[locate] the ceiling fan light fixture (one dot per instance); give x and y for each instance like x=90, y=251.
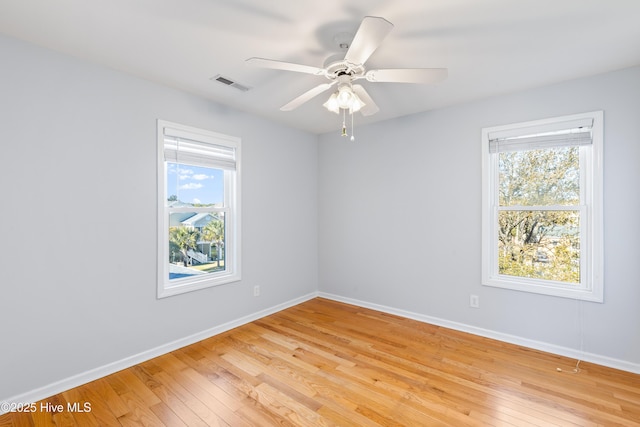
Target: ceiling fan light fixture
x=344, y=99
x=332, y=103
x=357, y=104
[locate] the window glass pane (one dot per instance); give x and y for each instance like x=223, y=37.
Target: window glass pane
x=196, y=243
x=539, y=244
x=194, y=185
x=540, y=177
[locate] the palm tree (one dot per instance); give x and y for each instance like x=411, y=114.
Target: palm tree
x=214, y=232
x=184, y=238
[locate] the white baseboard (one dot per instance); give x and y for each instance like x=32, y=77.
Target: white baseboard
x=512, y=339
x=102, y=371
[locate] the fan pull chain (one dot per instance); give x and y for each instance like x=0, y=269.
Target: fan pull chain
x=352, y=128
x=344, y=126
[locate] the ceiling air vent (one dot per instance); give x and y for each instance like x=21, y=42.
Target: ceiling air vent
x=227, y=81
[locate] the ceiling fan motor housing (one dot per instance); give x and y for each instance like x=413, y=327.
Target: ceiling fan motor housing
x=337, y=69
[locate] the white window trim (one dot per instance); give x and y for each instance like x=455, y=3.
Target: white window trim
x=232, y=272
x=592, y=282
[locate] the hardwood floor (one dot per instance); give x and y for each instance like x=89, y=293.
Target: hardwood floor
x=325, y=363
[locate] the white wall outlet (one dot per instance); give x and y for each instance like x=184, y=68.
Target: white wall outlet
x=256, y=291
x=474, y=301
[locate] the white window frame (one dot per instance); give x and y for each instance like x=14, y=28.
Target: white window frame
x=591, y=286
x=229, y=161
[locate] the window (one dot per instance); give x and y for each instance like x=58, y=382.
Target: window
x=198, y=209
x=542, y=206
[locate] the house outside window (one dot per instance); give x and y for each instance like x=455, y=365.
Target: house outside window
x=198, y=209
x=542, y=206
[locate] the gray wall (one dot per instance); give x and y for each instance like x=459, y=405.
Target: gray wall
x=400, y=218
x=78, y=217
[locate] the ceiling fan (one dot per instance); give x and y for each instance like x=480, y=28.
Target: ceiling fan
x=343, y=72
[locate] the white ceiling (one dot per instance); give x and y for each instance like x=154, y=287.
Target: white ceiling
x=490, y=47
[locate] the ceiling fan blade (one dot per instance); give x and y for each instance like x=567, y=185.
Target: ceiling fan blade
x=367, y=39
x=370, y=107
x=295, y=103
x=407, y=75
x=287, y=66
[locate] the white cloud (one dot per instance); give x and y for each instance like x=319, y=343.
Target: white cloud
x=185, y=173
x=201, y=176
x=191, y=186
x=196, y=200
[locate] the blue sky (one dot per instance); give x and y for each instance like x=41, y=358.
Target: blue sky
x=194, y=184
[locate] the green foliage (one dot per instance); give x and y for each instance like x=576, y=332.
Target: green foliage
x=183, y=238
x=214, y=232
x=540, y=177
x=542, y=243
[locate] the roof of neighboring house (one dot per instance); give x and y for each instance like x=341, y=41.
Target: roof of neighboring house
x=198, y=219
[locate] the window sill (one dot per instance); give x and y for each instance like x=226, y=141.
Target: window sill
x=544, y=288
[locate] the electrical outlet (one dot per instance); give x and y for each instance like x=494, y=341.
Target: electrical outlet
x=256, y=291
x=474, y=301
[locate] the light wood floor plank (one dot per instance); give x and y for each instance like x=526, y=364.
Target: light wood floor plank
x=167, y=416
x=325, y=363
